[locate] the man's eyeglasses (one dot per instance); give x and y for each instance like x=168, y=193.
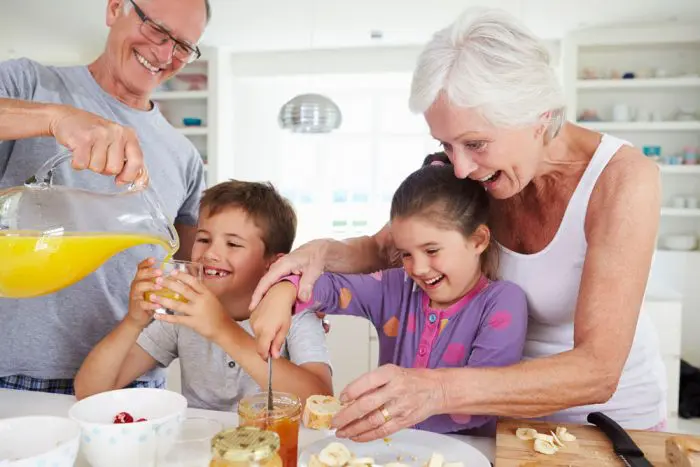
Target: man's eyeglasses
x=157, y=34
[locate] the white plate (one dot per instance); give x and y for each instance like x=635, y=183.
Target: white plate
x=414, y=448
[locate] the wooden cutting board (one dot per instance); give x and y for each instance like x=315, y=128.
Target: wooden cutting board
x=591, y=448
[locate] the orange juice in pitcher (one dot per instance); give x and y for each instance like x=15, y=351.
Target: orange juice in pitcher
x=35, y=264
x=53, y=236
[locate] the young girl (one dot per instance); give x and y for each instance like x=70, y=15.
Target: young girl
x=443, y=309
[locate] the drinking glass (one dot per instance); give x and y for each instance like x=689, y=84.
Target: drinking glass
x=195, y=270
x=193, y=446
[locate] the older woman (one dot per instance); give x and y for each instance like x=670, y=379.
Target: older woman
x=575, y=214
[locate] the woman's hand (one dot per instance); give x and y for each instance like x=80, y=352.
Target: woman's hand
x=307, y=261
x=387, y=400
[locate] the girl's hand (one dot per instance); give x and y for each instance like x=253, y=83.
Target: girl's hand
x=272, y=318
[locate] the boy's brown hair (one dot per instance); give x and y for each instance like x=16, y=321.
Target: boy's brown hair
x=272, y=213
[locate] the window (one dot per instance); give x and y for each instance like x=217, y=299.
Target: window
x=340, y=183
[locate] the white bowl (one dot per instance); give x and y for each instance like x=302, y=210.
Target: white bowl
x=105, y=444
x=680, y=242
x=38, y=440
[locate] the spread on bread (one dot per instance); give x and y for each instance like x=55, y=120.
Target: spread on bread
x=683, y=451
x=319, y=411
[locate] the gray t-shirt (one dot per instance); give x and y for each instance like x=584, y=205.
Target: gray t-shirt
x=211, y=379
x=48, y=337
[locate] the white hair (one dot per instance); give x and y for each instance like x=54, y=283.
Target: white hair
x=488, y=60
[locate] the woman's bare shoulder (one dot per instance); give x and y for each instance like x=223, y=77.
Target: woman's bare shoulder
x=629, y=178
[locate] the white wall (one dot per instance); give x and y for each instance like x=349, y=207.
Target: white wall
x=264, y=25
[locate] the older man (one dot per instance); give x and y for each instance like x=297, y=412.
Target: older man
x=103, y=113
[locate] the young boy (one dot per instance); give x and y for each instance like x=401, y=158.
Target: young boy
x=243, y=228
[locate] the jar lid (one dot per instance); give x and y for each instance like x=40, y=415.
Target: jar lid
x=245, y=443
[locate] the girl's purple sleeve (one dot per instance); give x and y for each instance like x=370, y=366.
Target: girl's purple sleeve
x=345, y=294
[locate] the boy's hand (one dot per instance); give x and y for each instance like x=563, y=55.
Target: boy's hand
x=203, y=312
x=140, y=310
x=272, y=318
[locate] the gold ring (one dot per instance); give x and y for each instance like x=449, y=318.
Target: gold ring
x=385, y=414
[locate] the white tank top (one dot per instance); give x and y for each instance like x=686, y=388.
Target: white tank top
x=551, y=280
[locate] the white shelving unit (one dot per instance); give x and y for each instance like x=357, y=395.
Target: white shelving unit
x=180, y=95
x=680, y=212
x=665, y=59
x=680, y=169
x=179, y=103
x=642, y=126
x=639, y=83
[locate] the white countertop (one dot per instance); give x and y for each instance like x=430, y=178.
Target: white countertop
x=21, y=403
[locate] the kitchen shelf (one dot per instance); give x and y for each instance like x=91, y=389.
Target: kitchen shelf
x=179, y=95
x=643, y=126
x=193, y=130
x=680, y=212
x=680, y=169
x=664, y=83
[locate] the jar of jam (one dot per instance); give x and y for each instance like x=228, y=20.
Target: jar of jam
x=245, y=447
x=283, y=419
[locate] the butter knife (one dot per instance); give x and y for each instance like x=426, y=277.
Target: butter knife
x=269, y=385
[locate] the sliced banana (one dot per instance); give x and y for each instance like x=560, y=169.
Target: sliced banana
x=557, y=441
x=525, y=434
x=335, y=455
x=544, y=446
x=436, y=460
x=564, y=435
x=361, y=462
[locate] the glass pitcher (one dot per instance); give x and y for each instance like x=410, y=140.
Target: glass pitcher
x=53, y=236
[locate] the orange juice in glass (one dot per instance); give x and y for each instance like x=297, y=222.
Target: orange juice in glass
x=283, y=419
x=168, y=266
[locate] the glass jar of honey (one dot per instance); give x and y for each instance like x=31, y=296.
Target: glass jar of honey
x=245, y=447
x=283, y=419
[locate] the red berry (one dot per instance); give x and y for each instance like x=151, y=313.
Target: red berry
x=141, y=420
x=123, y=417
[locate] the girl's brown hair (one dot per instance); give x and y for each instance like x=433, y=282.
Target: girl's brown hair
x=434, y=193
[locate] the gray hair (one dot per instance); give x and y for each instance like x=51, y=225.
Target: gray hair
x=127, y=6
x=488, y=60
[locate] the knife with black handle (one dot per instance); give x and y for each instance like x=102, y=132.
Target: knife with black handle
x=622, y=444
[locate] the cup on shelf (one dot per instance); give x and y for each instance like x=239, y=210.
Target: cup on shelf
x=644, y=115
x=652, y=150
x=679, y=202
x=622, y=113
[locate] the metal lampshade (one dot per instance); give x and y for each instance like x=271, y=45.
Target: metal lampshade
x=310, y=113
